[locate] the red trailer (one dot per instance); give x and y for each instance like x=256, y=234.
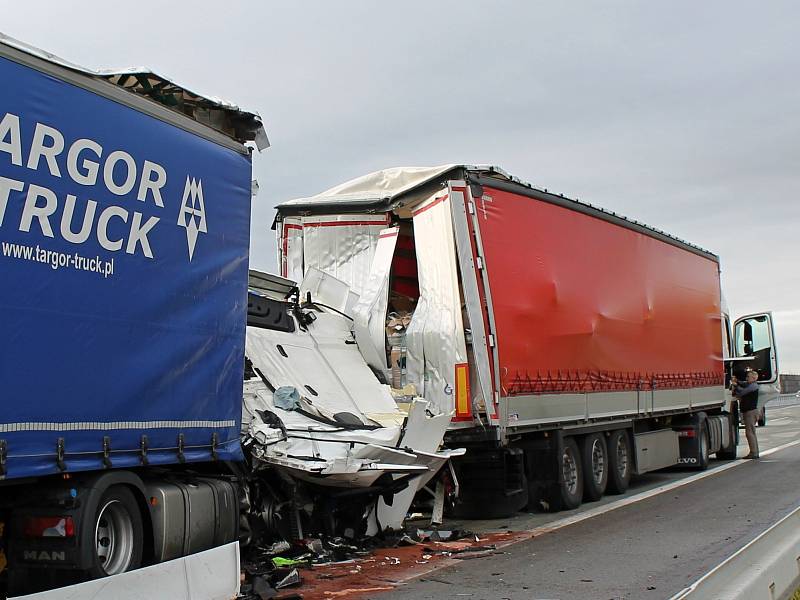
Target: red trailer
x=574, y=346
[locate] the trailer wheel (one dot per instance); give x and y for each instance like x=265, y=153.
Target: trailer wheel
x=116, y=533
x=619, y=462
x=729, y=453
x=570, y=484
x=702, y=446
x=594, y=455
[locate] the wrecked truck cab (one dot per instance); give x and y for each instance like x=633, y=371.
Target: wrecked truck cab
x=316, y=415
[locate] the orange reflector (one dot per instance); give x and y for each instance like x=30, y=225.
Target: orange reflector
x=463, y=404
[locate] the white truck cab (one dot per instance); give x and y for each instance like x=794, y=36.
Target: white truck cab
x=749, y=344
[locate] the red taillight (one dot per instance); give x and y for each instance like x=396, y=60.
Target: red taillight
x=690, y=433
x=38, y=527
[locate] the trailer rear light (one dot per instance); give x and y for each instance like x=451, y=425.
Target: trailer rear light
x=462, y=396
x=39, y=527
x=689, y=433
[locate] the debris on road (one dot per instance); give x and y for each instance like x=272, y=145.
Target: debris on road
x=321, y=568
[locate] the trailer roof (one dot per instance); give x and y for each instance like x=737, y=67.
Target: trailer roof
x=386, y=189
x=221, y=115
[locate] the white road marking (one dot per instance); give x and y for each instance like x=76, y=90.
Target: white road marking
x=601, y=510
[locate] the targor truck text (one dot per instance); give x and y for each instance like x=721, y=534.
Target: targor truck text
x=86, y=163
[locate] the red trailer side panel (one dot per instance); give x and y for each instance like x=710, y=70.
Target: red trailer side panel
x=581, y=304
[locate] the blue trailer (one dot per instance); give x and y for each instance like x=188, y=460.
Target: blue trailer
x=124, y=236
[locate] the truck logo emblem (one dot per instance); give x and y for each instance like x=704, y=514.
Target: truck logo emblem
x=43, y=555
x=193, y=212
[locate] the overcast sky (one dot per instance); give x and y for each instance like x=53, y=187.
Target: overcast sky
x=681, y=114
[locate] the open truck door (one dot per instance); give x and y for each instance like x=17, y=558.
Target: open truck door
x=754, y=339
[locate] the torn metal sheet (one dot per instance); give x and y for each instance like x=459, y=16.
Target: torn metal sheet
x=421, y=433
x=328, y=290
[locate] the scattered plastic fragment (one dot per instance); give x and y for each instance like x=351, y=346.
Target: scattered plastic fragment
x=280, y=561
x=286, y=397
x=407, y=540
x=315, y=546
x=293, y=578
x=349, y=591
x=278, y=548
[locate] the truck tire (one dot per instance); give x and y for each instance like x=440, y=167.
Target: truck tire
x=729, y=453
x=570, y=481
x=115, y=533
x=702, y=446
x=762, y=417
x=594, y=455
x=619, y=462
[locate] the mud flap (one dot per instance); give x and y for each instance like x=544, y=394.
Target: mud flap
x=493, y=484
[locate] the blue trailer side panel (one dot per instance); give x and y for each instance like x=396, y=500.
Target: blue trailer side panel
x=123, y=282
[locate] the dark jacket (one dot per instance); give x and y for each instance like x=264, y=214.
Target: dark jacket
x=748, y=396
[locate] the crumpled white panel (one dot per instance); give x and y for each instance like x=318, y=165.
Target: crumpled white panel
x=321, y=359
x=369, y=314
x=435, y=337
x=342, y=245
x=327, y=289
x=290, y=248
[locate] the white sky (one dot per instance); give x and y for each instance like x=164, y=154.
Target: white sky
x=681, y=114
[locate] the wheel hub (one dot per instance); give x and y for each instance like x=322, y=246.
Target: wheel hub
x=622, y=457
x=598, y=462
x=570, y=473
x=114, y=538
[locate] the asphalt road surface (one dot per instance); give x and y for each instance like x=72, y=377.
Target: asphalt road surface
x=651, y=548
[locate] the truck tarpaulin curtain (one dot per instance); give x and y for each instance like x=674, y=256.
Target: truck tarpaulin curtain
x=595, y=306
x=123, y=251
x=435, y=337
x=339, y=245
x=290, y=249
x=369, y=314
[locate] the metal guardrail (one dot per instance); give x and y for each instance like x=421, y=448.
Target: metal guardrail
x=768, y=568
x=784, y=400
x=209, y=575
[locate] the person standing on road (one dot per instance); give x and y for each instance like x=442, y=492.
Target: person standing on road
x=748, y=407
